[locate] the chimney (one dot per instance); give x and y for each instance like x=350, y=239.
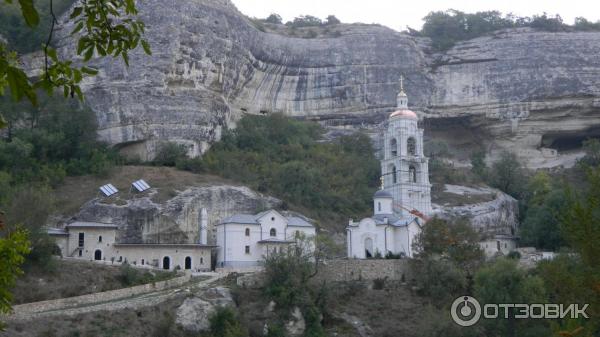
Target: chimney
x=203, y=230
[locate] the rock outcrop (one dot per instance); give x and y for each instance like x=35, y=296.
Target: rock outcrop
x=141, y=220
x=520, y=89
x=489, y=210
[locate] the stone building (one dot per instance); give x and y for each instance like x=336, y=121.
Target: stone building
x=400, y=207
x=95, y=241
x=244, y=239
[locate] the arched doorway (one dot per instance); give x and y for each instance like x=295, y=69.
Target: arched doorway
x=188, y=262
x=98, y=255
x=368, y=247
x=166, y=262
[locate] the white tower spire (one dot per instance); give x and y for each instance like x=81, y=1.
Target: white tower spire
x=402, y=99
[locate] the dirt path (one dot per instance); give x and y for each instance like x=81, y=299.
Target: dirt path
x=132, y=302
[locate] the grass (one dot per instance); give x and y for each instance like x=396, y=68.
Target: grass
x=74, y=278
x=75, y=191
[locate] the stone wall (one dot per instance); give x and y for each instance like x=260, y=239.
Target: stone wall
x=30, y=309
x=354, y=269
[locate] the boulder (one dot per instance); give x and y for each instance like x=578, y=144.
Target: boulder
x=192, y=315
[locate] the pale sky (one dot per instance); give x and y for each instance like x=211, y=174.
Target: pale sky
x=397, y=14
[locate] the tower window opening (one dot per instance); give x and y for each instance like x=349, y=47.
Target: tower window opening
x=411, y=146
x=394, y=147
x=394, y=177
x=412, y=174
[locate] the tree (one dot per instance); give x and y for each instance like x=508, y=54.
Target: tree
x=478, y=165
x=14, y=246
x=508, y=175
x=591, y=147
x=274, y=18
x=504, y=282
x=332, y=20
x=102, y=27
x=455, y=240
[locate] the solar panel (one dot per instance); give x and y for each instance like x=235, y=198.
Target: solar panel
x=140, y=185
x=108, y=189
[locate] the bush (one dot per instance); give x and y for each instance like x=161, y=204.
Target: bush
x=507, y=175
x=439, y=280
x=169, y=154
x=224, y=323
x=274, y=18
x=332, y=20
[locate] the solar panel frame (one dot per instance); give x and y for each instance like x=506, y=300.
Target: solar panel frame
x=140, y=185
x=108, y=189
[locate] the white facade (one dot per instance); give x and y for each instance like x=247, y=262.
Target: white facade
x=498, y=245
x=244, y=240
x=95, y=241
x=404, y=168
x=399, y=209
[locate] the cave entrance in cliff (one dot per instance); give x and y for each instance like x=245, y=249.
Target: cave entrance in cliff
x=188, y=262
x=569, y=141
x=98, y=255
x=166, y=262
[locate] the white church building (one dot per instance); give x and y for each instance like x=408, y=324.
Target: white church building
x=401, y=207
x=243, y=240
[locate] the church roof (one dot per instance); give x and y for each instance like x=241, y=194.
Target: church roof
x=252, y=219
x=88, y=224
x=404, y=113
x=382, y=194
x=298, y=222
x=392, y=220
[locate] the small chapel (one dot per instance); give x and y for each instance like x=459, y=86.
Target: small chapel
x=403, y=203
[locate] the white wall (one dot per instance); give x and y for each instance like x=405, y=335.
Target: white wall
x=91, y=242
x=490, y=247
x=153, y=256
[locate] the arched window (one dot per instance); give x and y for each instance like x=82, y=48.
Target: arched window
x=188, y=262
x=379, y=206
x=412, y=174
x=100, y=238
x=393, y=147
x=166, y=263
x=247, y=231
x=98, y=255
x=411, y=146
x=394, y=177
x=273, y=232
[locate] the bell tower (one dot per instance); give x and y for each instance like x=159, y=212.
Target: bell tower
x=404, y=168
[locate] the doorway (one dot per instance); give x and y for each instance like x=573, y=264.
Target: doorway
x=166, y=262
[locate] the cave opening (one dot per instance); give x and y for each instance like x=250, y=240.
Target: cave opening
x=568, y=141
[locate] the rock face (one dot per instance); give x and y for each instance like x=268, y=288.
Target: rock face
x=176, y=220
x=516, y=88
x=193, y=314
x=490, y=212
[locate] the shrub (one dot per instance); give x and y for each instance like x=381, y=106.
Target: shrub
x=169, y=153
x=274, y=18
x=332, y=20
x=224, y=323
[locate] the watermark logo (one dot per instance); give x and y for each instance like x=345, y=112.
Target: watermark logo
x=467, y=311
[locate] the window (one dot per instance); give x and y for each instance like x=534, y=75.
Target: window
x=143, y=262
x=201, y=260
x=273, y=232
x=273, y=218
x=81, y=239
x=247, y=231
x=393, y=147
x=247, y=249
x=379, y=206
x=188, y=263
x=412, y=174
x=394, y=177
x=100, y=238
x=411, y=146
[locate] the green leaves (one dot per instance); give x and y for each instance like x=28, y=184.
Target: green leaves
x=106, y=27
x=29, y=12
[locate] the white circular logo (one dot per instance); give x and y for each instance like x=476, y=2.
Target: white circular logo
x=465, y=311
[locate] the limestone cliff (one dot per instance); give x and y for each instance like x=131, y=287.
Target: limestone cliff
x=177, y=219
x=517, y=89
